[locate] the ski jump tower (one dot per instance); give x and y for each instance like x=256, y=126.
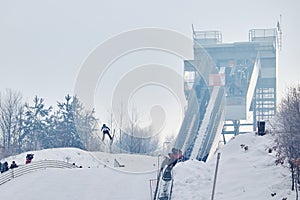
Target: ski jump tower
x=228, y=86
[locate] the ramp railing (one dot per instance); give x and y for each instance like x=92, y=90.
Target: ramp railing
x=34, y=166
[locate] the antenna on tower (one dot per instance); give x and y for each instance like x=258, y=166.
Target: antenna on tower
x=279, y=31
x=193, y=31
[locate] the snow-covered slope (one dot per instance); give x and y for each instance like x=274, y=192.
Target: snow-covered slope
x=243, y=175
x=133, y=163
x=97, y=179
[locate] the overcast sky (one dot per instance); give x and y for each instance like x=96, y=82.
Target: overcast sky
x=44, y=43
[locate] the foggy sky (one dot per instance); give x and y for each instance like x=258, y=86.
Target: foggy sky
x=44, y=43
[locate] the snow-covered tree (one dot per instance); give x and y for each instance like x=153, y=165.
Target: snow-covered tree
x=25, y=127
x=75, y=126
x=142, y=141
x=35, y=124
x=11, y=107
x=50, y=136
x=288, y=131
x=67, y=132
x=87, y=126
x=133, y=138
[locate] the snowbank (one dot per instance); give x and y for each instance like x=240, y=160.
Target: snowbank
x=242, y=174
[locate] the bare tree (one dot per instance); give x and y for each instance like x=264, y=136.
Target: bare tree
x=136, y=139
x=86, y=124
x=11, y=107
x=142, y=142
x=133, y=138
x=288, y=132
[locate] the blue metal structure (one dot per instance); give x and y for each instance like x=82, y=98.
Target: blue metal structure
x=225, y=85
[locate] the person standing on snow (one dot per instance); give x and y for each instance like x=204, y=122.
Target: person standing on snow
x=4, y=167
x=105, y=130
x=13, y=165
x=29, y=157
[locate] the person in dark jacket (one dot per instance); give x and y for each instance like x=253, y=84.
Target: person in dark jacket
x=13, y=165
x=177, y=154
x=105, y=130
x=4, y=167
x=29, y=157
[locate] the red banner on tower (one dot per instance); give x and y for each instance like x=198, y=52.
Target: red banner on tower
x=216, y=80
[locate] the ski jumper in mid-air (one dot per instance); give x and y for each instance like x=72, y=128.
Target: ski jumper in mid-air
x=105, y=130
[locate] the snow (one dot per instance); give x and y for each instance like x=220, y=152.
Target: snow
x=202, y=133
x=246, y=175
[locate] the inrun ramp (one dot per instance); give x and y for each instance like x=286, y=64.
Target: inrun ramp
x=225, y=86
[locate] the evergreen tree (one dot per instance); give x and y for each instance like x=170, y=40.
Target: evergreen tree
x=35, y=124
x=50, y=135
x=68, y=134
x=87, y=127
